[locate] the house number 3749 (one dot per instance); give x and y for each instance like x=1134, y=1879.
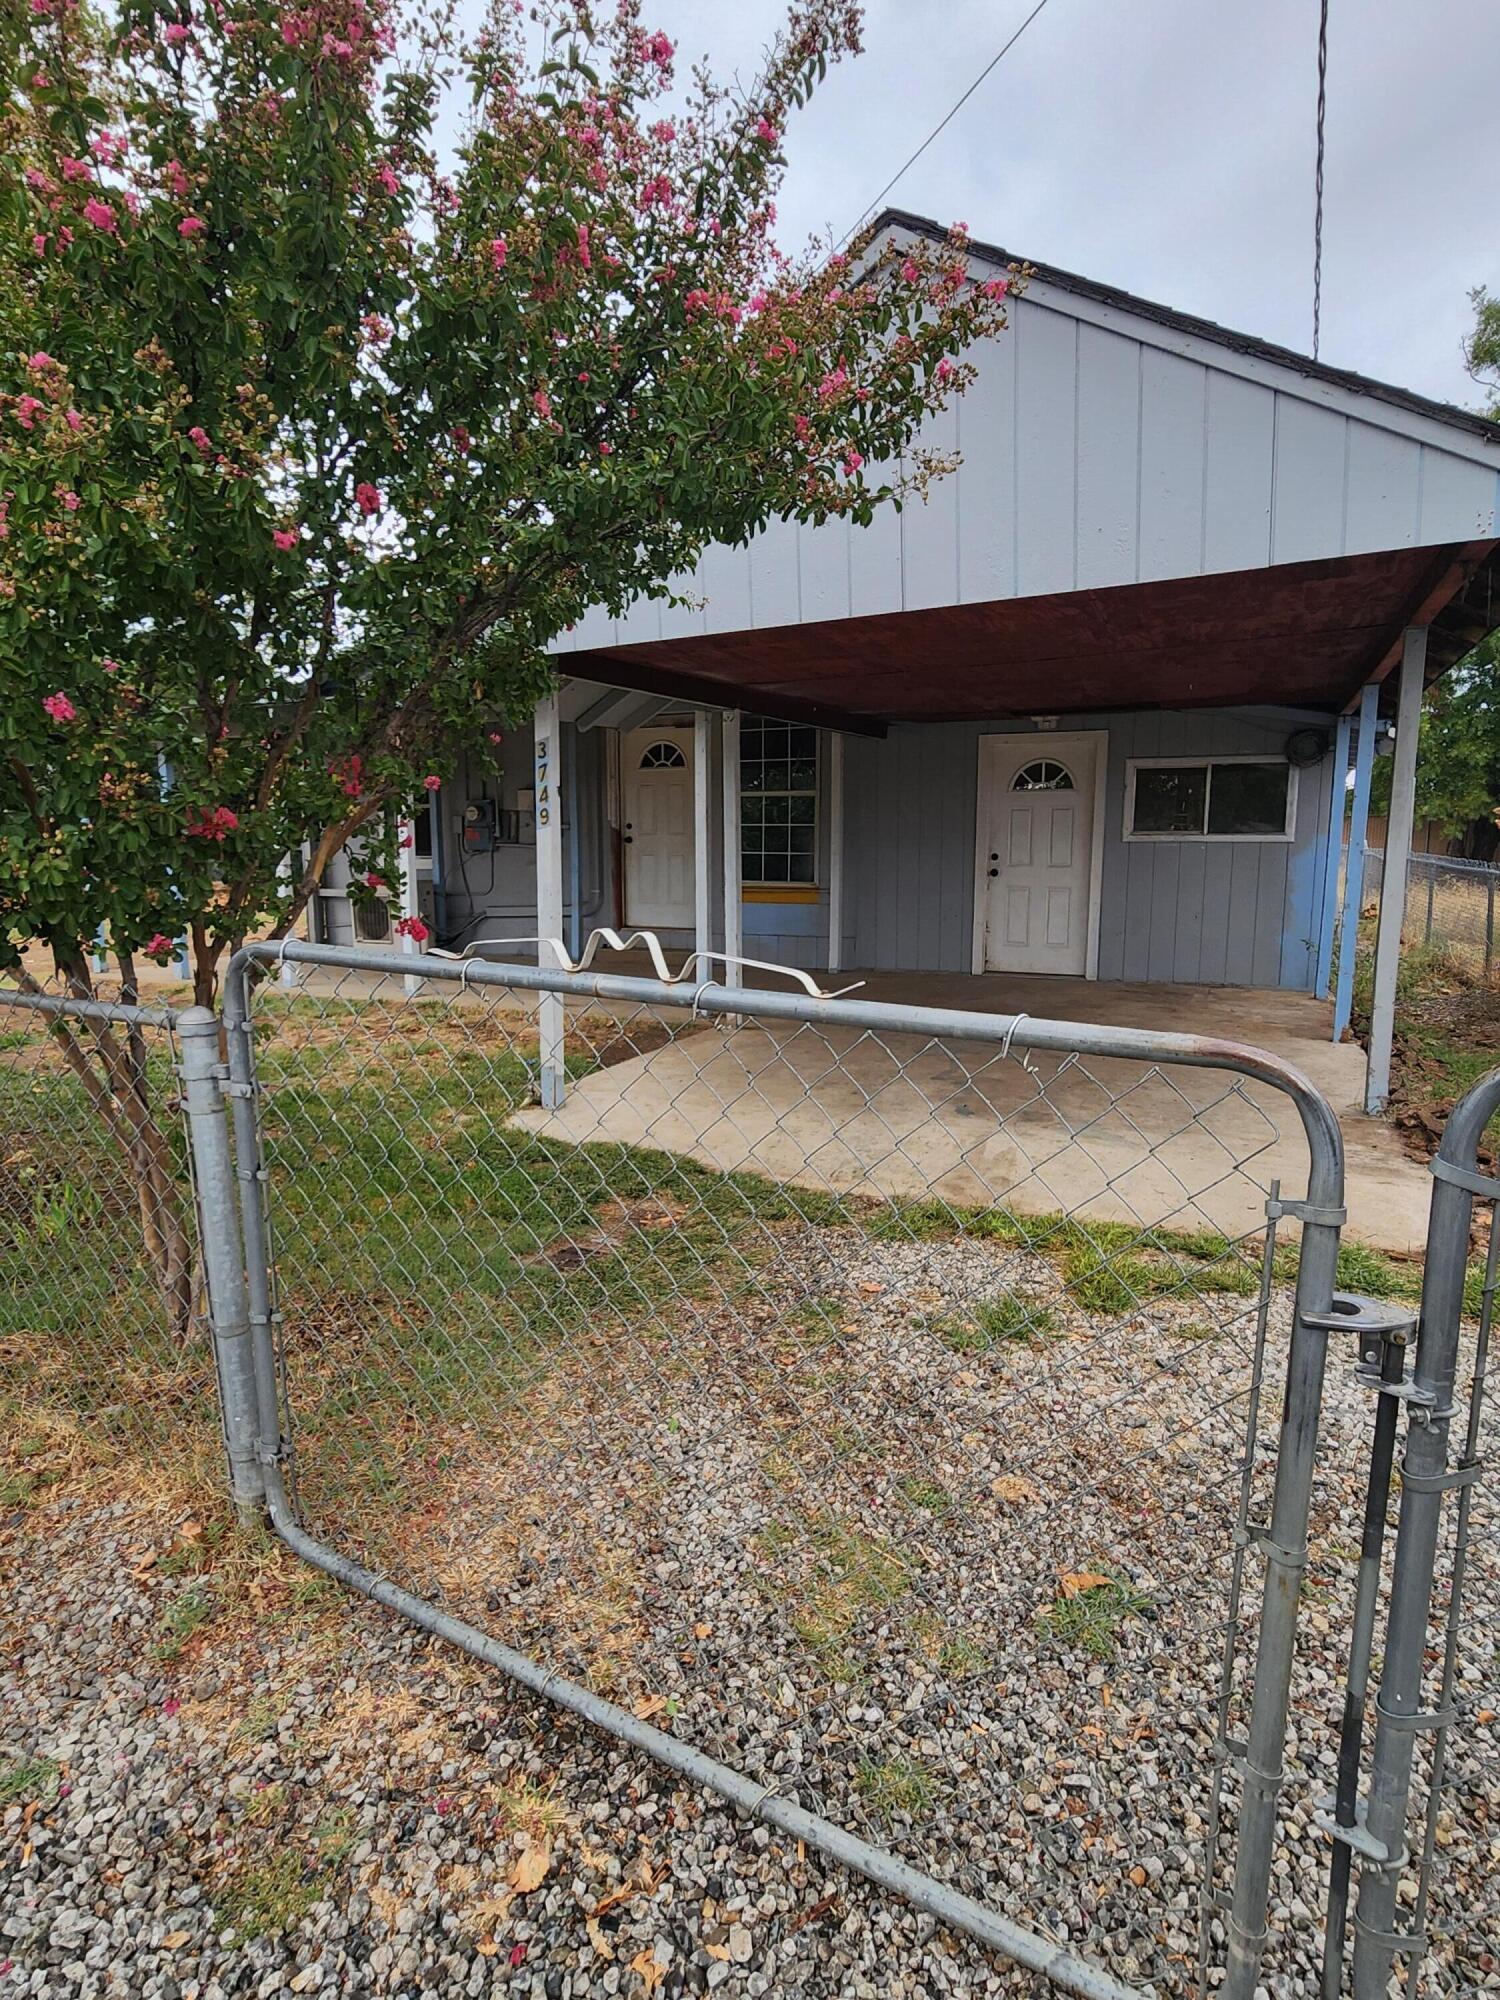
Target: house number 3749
x=543, y=782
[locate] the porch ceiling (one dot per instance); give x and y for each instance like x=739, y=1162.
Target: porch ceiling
x=1297, y=635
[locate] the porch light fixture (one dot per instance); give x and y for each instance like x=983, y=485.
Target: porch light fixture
x=1044, y=721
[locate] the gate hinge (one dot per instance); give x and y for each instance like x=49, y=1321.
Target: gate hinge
x=229, y=1088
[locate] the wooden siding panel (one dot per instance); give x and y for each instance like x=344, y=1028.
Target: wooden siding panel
x=1384, y=490
x=1458, y=498
x=875, y=581
x=1109, y=430
x=929, y=528
x=775, y=589
x=1174, y=430
x=1310, y=478
x=824, y=560
x=986, y=480
x=1239, y=456
x=1046, y=449
x=724, y=578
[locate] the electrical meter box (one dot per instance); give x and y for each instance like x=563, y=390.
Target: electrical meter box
x=479, y=828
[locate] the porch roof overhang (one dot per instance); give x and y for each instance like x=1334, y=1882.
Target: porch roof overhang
x=1303, y=635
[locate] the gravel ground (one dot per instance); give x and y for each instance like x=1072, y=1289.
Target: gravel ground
x=814, y=1530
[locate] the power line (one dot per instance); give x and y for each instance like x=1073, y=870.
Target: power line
x=952, y=113
x=1318, y=179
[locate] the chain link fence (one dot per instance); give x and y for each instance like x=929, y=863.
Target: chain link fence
x=918, y=1428
x=1450, y=904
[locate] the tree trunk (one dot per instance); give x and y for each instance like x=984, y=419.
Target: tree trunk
x=110, y=1063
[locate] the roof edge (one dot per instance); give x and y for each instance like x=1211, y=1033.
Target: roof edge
x=1207, y=329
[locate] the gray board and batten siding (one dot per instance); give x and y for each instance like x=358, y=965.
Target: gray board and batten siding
x=1103, y=445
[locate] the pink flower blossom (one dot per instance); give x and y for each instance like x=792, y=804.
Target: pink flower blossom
x=909, y=270
x=159, y=946
x=498, y=252
x=171, y=1705
x=417, y=931
x=216, y=824
x=72, y=419
x=584, y=258
x=70, y=500
x=766, y=132
x=175, y=34
x=605, y=448
x=376, y=329
x=542, y=404
x=201, y=439
x=177, y=179
x=108, y=148
x=368, y=498
x=39, y=244
x=59, y=707
x=834, y=383
x=101, y=215
x=432, y=781
x=461, y=437
x=191, y=225
x=40, y=362
x=374, y=881
x=655, y=49
x=75, y=170
x=110, y=666
x=664, y=131
x=389, y=179
x=944, y=369
x=284, y=538
x=995, y=288
x=26, y=409
x=853, y=460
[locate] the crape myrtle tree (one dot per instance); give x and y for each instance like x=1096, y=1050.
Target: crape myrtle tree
x=313, y=436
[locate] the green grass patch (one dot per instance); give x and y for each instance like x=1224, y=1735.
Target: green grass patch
x=1089, y=1614
x=184, y=1615
x=271, y=1894
x=896, y=1788
x=23, y=1779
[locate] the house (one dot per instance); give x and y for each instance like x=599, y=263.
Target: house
x=1090, y=711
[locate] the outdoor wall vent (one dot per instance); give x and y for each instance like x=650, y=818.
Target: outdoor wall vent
x=1045, y=721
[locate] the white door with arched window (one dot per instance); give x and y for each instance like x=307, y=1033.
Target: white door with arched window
x=657, y=796
x=1037, y=853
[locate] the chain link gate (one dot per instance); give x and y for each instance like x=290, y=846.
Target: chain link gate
x=1417, y=1703
x=870, y=1393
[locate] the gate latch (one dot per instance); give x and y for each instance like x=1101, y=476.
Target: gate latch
x=1378, y=1325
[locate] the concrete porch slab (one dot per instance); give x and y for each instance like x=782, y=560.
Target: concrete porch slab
x=903, y=1116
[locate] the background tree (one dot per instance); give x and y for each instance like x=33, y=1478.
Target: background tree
x=1482, y=349
x=310, y=442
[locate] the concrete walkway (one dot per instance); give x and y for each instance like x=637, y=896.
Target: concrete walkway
x=903, y=1115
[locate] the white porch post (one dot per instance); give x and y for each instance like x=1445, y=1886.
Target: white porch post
x=288, y=974
x=1393, y=876
x=734, y=924
x=703, y=899
x=410, y=901
x=835, y=851
x=549, y=892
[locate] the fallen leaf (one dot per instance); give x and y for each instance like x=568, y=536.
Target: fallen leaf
x=649, y=1705
x=1010, y=1486
x=1485, y=1715
x=174, y=1938
x=191, y=1531
x=599, y=1941
x=871, y=1289
x=702, y=1631
x=487, y=1948
x=651, y=1974
x=718, y=1951
x=530, y=1871
x=623, y=1894
x=1076, y=1581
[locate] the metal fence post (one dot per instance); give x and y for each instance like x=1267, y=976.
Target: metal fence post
x=1284, y=1546
x=203, y=1077
x=1425, y=1477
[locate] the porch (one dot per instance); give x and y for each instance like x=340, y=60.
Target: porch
x=903, y=1116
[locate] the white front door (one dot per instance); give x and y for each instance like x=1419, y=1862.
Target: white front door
x=657, y=792
x=1036, y=851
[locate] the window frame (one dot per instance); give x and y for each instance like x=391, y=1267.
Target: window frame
x=1204, y=837
x=788, y=891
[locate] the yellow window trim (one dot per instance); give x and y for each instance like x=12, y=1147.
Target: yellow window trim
x=778, y=892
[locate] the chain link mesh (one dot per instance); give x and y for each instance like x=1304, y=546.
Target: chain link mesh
x=1450, y=906
x=867, y=1408
x=104, y=1361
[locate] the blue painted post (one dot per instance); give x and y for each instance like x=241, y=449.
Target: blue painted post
x=1338, y=787
x=1354, y=874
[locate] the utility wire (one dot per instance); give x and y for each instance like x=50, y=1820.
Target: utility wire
x=1318, y=179
x=952, y=113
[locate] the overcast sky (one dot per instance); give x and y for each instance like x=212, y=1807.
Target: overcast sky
x=1167, y=146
